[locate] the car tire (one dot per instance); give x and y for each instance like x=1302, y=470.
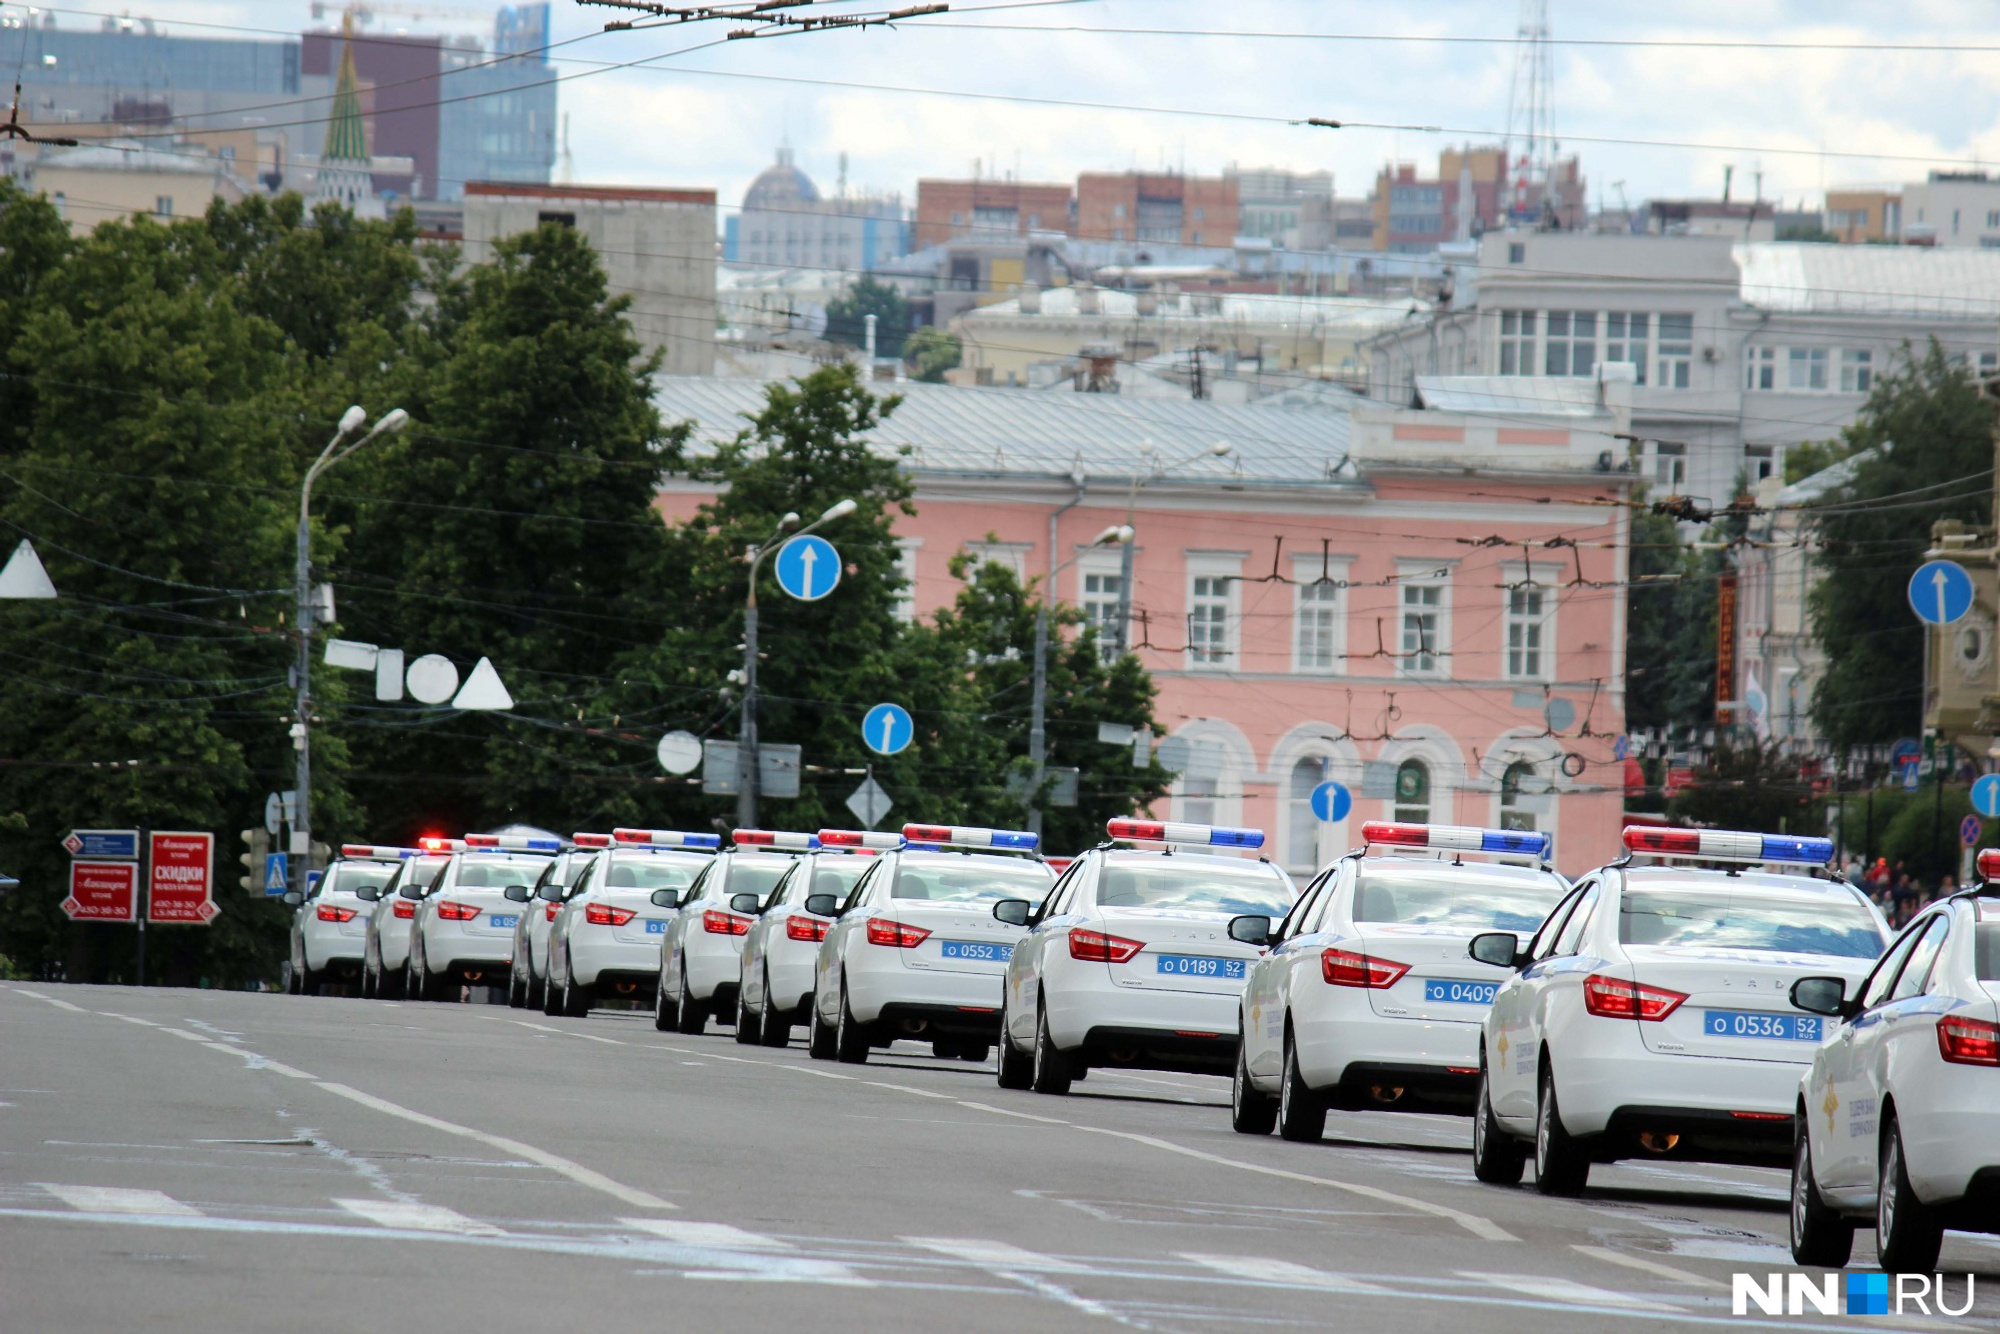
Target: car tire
x=690, y=1015
x=775, y=1028
x=576, y=997
x=850, y=1040
x=538, y=990
x=1820, y=1237
x=309, y=981
x=1251, y=1110
x=367, y=982
x=946, y=1049
x=551, y=998
x=820, y=1034
x=1301, y=1110
x=1561, y=1166
x=1498, y=1159
x=975, y=1052
x=517, y=990
x=1908, y=1235
x=1051, y=1068
x=663, y=1014
x=748, y=1028
x=1017, y=1068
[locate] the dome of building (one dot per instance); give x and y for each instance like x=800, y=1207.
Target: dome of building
x=780, y=186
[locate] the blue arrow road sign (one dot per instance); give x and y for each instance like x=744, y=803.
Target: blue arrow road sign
x=808, y=567
x=1940, y=592
x=1331, y=802
x=1986, y=795
x=276, y=881
x=887, y=729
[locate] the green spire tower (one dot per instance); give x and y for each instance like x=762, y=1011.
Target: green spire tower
x=344, y=166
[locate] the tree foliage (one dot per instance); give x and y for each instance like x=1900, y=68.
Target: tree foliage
x=847, y=317
x=931, y=352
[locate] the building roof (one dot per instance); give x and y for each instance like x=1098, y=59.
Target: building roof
x=1533, y=395
x=1021, y=433
x=129, y=155
x=1362, y=315
x=346, y=136
x=779, y=185
x=630, y=194
x=1819, y=279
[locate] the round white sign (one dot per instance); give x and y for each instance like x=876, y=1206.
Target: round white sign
x=432, y=679
x=680, y=752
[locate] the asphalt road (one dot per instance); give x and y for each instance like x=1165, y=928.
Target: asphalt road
x=212, y=1161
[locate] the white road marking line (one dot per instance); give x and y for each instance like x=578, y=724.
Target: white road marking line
x=418, y=1217
x=143, y=1023
x=1648, y=1266
x=905, y=1088
x=539, y=1028
x=191, y=1037
x=587, y=1037
x=111, y=1200
x=592, y=1037
x=1562, y=1290
x=1008, y=1111
x=577, y=1172
x=723, y=1236
x=1262, y=1270
x=995, y=1254
x=279, y=1067
x=59, y=1004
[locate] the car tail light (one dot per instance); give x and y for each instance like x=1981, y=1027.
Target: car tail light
x=403, y=908
x=329, y=913
x=1349, y=968
x=550, y=912
x=1097, y=947
x=603, y=914
x=800, y=927
x=457, y=912
x=882, y=931
x=1619, y=998
x=1968, y=1041
x=719, y=923
x=1762, y=1116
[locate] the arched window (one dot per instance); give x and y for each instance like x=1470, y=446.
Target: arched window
x=1514, y=812
x=1198, y=800
x=1413, y=792
x=1301, y=825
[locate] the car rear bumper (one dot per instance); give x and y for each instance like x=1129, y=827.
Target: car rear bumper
x=876, y=978
x=921, y=1022
x=713, y=962
x=1341, y=1042
x=1616, y=1087
x=594, y=953
x=792, y=966
x=333, y=948
x=1141, y=1027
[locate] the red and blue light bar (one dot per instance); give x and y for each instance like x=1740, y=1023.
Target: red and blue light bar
x=376, y=852
x=780, y=840
x=1989, y=863
x=667, y=838
x=1458, y=838
x=1191, y=835
x=966, y=836
x=437, y=846
x=591, y=840
x=512, y=843
x=1727, y=845
x=861, y=840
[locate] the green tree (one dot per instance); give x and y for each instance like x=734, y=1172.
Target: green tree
x=1933, y=442
x=932, y=351
x=847, y=322
x=1670, y=635
x=1750, y=785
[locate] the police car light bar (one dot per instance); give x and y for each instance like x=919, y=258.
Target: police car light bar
x=591, y=840
x=436, y=845
x=765, y=838
x=668, y=838
x=1988, y=863
x=1458, y=838
x=513, y=843
x=376, y=852
x=1169, y=831
x=963, y=836
x=878, y=840
x=1728, y=845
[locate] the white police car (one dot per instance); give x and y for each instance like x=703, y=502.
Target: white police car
x=1900, y=1114
x=464, y=928
x=330, y=928
x=1367, y=998
x=385, y=964
x=781, y=949
x=1131, y=963
x=1650, y=1016
x=527, y=982
x=606, y=939
x=701, y=953
x=917, y=950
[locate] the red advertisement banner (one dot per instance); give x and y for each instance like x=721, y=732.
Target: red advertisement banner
x=182, y=879
x=103, y=892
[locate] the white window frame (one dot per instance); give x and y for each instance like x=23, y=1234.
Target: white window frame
x=1546, y=582
x=1437, y=573
x=1207, y=565
x=1628, y=337
x=1100, y=564
x=1857, y=370
x=1760, y=373
x=906, y=566
x=1805, y=364
x=1517, y=335
x=1675, y=358
x=1311, y=598
x=1013, y=555
x=1578, y=335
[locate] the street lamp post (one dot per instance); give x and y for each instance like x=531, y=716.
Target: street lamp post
x=1038, y=736
x=746, y=729
x=350, y=422
x=1121, y=633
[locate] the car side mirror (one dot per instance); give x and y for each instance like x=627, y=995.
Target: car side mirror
x=822, y=905
x=666, y=898
x=552, y=892
x=747, y=904
x=1250, y=929
x=1014, y=912
x=1502, y=949
x=517, y=893
x=368, y=893
x=411, y=891
x=293, y=898
x=1822, y=995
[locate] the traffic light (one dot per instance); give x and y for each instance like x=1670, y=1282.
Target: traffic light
x=322, y=857
x=259, y=844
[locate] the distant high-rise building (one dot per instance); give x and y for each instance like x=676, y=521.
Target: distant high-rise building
x=1292, y=209
x=990, y=210
x=1470, y=195
x=786, y=223
x=1162, y=207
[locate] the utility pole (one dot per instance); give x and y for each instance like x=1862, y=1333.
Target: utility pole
x=1038, y=718
x=1122, y=633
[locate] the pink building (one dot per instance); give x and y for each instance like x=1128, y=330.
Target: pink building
x=1426, y=605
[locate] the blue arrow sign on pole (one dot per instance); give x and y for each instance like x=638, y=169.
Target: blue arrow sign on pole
x=1940, y=592
x=276, y=882
x=1986, y=795
x=887, y=729
x=1331, y=802
x=808, y=567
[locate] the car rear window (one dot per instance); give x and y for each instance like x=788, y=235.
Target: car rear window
x=756, y=875
x=500, y=872
x=954, y=879
x=1419, y=897
x=1747, y=920
x=350, y=876
x=652, y=872
x=1162, y=882
x=835, y=876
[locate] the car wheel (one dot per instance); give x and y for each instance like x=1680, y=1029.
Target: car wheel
x=748, y=1030
x=1560, y=1165
x=850, y=1040
x=946, y=1049
x=820, y=1038
x=691, y=1016
x=367, y=982
x=1251, y=1110
x=1017, y=1068
x=975, y=1052
x=776, y=1027
x=538, y=990
x=1301, y=1110
x=551, y=997
x=1497, y=1157
x=1051, y=1069
x=576, y=997
x=1820, y=1237
x=1908, y=1235
x=663, y=1014
x=517, y=990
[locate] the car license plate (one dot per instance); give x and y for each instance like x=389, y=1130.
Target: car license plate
x=656, y=926
x=509, y=920
x=1751, y=1024
x=978, y=949
x=1197, y=965
x=1459, y=993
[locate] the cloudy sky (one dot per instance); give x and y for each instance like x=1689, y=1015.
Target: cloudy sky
x=1836, y=104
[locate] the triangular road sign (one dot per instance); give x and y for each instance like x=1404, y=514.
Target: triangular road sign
x=483, y=690
x=23, y=575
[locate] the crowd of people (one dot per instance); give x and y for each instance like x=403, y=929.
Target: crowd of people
x=1895, y=891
